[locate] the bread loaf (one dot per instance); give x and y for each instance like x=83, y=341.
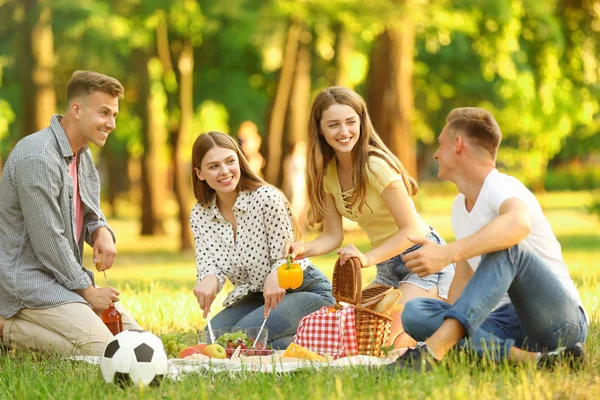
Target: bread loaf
x=386, y=304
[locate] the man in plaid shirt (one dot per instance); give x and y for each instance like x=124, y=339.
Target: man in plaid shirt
x=50, y=205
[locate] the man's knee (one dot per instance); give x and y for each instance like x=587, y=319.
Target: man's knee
x=421, y=316
x=412, y=316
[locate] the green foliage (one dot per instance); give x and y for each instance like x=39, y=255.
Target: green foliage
x=594, y=207
x=573, y=177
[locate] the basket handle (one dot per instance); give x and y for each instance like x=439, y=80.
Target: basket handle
x=347, y=281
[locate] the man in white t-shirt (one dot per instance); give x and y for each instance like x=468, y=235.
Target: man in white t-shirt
x=512, y=296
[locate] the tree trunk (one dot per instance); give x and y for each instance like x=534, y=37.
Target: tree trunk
x=402, y=142
x=280, y=104
x=390, y=93
x=343, y=48
x=116, y=161
x=299, y=109
x=180, y=100
x=181, y=174
x=152, y=216
x=378, y=91
x=36, y=66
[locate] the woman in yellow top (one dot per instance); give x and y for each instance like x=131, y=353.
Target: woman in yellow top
x=352, y=174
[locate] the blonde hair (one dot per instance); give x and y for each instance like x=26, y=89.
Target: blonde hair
x=479, y=125
x=88, y=82
x=248, y=178
x=320, y=153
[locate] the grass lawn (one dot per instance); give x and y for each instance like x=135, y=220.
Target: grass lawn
x=156, y=283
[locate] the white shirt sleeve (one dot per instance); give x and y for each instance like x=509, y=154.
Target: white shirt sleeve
x=503, y=190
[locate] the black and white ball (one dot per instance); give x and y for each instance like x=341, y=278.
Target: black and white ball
x=134, y=356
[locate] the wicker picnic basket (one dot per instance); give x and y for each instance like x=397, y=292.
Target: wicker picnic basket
x=372, y=328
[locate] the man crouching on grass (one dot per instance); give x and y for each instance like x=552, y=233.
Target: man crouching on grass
x=50, y=205
x=511, y=297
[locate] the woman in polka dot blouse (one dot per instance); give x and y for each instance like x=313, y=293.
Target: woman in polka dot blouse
x=240, y=225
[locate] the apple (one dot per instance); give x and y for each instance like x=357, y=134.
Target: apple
x=200, y=346
x=188, y=351
x=214, y=350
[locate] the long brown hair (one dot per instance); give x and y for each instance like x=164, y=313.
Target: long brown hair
x=249, y=180
x=369, y=144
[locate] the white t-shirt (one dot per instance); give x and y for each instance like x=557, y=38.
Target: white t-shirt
x=496, y=189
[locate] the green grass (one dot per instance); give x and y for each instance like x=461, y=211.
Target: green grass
x=156, y=284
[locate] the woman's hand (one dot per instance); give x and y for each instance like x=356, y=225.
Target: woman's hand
x=296, y=249
x=272, y=292
x=350, y=251
x=206, y=290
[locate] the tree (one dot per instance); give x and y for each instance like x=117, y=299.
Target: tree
x=178, y=67
x=153, y=132
x=281, y=102
x=36, y=66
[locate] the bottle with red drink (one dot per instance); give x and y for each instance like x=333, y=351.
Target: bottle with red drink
x=112, y=319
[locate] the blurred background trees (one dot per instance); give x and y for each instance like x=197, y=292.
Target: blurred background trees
x=194, y=65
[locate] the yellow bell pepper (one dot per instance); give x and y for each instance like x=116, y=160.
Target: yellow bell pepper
x=290, y=275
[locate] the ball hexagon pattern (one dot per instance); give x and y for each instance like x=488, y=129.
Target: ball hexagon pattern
x=134, y=356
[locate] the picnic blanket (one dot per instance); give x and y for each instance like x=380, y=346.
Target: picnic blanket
x=275, y=363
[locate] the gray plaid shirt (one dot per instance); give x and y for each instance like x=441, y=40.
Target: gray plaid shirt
x=40, y=260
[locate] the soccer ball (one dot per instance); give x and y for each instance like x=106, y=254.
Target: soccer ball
x=134, y=356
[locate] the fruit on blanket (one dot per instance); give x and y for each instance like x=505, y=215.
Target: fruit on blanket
x=290, y=275
x=297, y=351
x=200, y=346
x=188, y=351
x=214, y=351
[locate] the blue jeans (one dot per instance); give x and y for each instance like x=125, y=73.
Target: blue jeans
x=282, y=324
x=393, y=272
x=542, y=315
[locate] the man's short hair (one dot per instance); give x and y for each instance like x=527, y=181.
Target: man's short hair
x=479, y=125
x=88, y=82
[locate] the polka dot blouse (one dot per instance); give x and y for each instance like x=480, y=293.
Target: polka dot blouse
x=263, y=223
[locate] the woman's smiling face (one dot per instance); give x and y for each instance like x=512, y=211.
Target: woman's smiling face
x=220, y=169
x=340, y=126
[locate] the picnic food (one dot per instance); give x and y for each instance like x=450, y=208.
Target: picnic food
x=290, y=275
x=234, y=337
x=172, y=343
x=214, y=351
x=385, y=305
x=296, y=351
x=188, y=351
x=231, y=341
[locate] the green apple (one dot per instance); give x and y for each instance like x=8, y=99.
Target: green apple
x=214, y=350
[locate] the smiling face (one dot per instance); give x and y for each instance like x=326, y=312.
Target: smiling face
x=220, y=169
x=445, y=153
x=96, y=115
x=340, y=126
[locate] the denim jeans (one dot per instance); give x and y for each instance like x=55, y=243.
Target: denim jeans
x=542, y=314
x=282, y=324
x=394, y=271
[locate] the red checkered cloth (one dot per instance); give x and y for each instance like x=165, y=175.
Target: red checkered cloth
x=329, y=332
